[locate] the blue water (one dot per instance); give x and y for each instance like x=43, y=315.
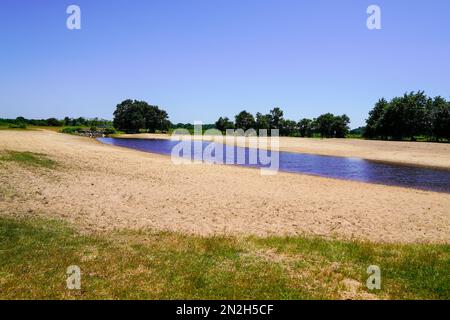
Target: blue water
x=326, y=166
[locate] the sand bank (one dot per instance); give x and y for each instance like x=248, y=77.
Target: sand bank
x=99, y=187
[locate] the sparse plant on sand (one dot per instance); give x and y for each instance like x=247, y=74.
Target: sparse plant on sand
x=27, y=158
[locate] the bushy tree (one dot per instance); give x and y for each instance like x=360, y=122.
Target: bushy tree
x=305, y=127
x=374, y=125
x=132, y=115
x=155, y=119
x=340, y=126
x=244, y=120
x=21, y=120
x=439, y=119
x=414, y=114
x=276, y=118
x=262, y=121
x=223, y=124
x=324, y=125
x=288, y=128
x=411, y=115
x=53, y=122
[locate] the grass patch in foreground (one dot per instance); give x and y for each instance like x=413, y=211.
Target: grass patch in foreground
x=28, y=159
x=34, y=256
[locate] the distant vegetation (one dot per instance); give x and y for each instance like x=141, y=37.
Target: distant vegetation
x=326, y=125
x=21, y=122
x=408, y=117
x=413, y=116
x=90, y=127
x=190, y=127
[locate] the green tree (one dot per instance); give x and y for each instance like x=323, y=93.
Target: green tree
x=155, y=118
x=415, y=114
x=276, y=118
x=53, y=122
x=439, y=118
x=80, y=122
x=129, y=116
x=133, y=115
x=374, y=125
x=223, y=124
x=20, y=120
x=262, y=121
x=288, y=128
x=407, y=116
x=244, y=120
x=324, y=125
x=340, y=126
x=305, y=127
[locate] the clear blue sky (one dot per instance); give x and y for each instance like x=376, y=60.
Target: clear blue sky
x=201, y=59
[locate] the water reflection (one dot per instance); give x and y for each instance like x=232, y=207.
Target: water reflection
x=326, y=166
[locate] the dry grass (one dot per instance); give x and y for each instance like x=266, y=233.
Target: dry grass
x=35, y=253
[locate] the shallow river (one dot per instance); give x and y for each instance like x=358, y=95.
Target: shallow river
x=326, y=166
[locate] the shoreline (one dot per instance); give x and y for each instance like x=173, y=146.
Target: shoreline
x=326, y=153
x=301, y=173
x=99, y=188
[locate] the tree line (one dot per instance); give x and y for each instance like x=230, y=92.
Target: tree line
x=410, y=116
x=21, y=122
x=326, y=125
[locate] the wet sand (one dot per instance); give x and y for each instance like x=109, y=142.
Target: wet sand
x=100, y=187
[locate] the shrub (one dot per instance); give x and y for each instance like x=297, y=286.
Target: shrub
x=20, y=125
x=110, y=131
x=71, y=130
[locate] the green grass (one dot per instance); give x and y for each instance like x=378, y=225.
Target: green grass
x=26, y=158
x=29, y=128
x=12, y=128
x=414, y=271
x=72, y=129
x=35, y=253
x=354, y=136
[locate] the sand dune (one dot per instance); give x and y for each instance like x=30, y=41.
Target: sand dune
x=99, y=187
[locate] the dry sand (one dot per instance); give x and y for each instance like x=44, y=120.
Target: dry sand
x=99, y=187
x=404, y=152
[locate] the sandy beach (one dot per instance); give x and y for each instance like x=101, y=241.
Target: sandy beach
x=99, y=187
